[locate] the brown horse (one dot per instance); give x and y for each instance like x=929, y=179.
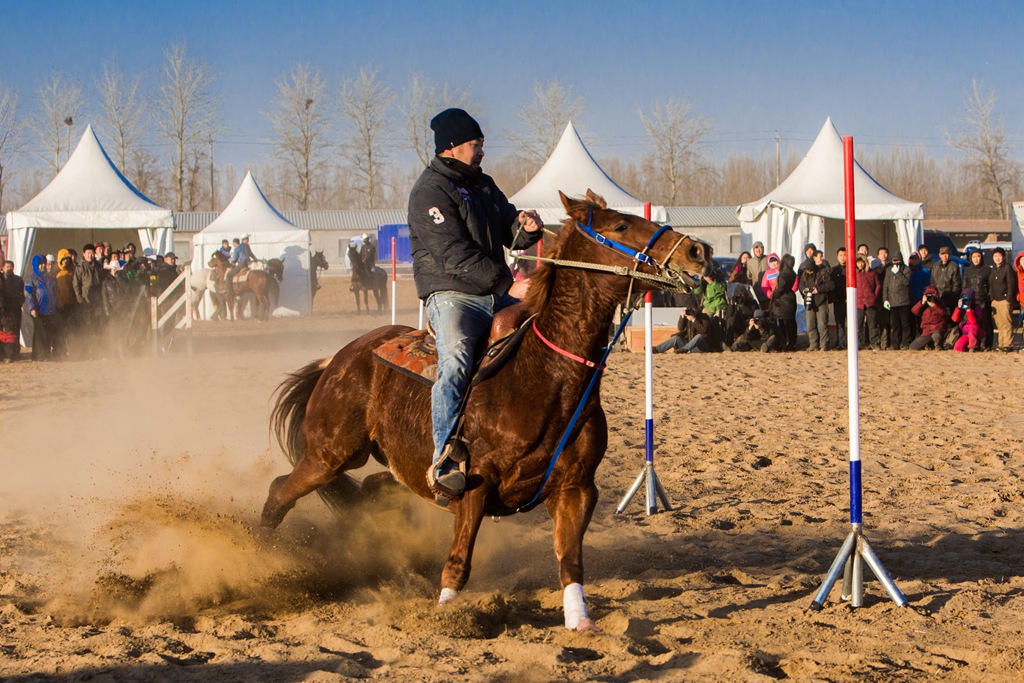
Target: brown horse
x=263, y=285
x=333, y=414
x=367, y=278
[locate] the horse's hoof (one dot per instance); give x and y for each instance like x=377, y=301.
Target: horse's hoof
x=447, y=595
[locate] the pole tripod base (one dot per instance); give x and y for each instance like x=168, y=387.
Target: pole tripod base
x=655, y=491
x=851, y=558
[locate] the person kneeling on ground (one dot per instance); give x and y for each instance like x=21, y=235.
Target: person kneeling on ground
x=968, y=315
x=697, y=327
x=932, y=313
x=759, y=331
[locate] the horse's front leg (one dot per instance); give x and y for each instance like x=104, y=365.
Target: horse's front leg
x=460, y=555
x=571, y=509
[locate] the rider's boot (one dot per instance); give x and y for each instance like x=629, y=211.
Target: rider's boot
x=447, y=475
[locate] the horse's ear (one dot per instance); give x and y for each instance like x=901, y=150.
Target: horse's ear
x=577, y=209
x=596, y=198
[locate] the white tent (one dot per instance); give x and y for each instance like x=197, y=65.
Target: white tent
x=809, y=206
x=88, y=201
x=571, y=169
x=1017, y=228
x=271, y=235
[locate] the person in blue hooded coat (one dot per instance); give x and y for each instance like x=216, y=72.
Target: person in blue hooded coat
x=41, y=296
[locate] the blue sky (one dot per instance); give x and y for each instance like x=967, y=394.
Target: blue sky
x=887, y=72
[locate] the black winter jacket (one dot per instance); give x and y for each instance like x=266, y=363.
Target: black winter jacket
x=946, y=278
x=459, y=222
x=1002, y=283
x=976, y=278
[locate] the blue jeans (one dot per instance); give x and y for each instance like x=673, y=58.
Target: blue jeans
x=461, y=323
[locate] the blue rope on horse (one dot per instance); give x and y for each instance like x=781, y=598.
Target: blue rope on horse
x=640, y=256
x=575, y=416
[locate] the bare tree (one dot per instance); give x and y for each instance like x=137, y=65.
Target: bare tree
x=676, y=139
x=59, y=102
x=187, y=113
x=10, y=137
x=366, y=105
x=123, y=111
x=300, y=117
x=545, y=119
x=420, y=103
x=982, y=141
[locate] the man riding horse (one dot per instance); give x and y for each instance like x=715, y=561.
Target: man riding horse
x=241, y=258
x=459, y=222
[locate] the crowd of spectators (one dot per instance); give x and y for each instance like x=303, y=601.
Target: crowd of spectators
x=81, y=305
x=925, y=302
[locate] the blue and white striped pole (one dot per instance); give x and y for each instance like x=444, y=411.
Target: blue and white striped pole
x=654, y=488
x=855, y=549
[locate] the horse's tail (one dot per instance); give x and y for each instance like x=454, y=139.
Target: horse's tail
x=288, y=419
x=289, y=414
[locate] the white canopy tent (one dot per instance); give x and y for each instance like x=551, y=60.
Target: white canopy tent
x=1017, y=228
x=271, y=235
x=571, y=169
x=88, y=201
x=809, y=206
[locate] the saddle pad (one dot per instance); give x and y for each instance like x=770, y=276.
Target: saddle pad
x=413, y=354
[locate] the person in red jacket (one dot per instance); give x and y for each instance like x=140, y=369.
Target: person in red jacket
x=932, y=313
x=869, y=289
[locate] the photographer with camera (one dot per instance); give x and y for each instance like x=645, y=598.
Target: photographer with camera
x=933, y=315
x=760, y=334
x=815, y=285
x=968, y=315
x=695, y=333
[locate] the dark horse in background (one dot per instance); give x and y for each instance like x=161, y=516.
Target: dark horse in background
x=317, y=262
x=366, y=278
x=264, y=286
x=334, y=414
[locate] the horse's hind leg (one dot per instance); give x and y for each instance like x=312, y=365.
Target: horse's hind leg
x=309, y=474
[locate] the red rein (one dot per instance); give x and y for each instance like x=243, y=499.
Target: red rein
x=561, y=351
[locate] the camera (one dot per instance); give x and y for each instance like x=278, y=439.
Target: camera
x=964, y=303
x=930, y=298
x=809, y=300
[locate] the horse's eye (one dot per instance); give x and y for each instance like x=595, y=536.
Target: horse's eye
x=622, y=227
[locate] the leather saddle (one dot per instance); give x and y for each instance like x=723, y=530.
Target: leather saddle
x=414, y=353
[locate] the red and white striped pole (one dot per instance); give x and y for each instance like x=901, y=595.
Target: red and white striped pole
x=855, y=550
x=394, y=280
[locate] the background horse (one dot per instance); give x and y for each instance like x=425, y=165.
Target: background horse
x=366, y=279
x=317, y=262
x=333, y=414
x=264, y=286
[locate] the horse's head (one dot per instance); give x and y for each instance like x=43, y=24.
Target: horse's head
x=622, y=239
x=318, y=260
x=275, y=267
x=217, y=260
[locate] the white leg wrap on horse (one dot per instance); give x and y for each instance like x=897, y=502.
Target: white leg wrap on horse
x=447, y=595
x=573, y=605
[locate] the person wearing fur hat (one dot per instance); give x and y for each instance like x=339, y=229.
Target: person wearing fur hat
x=896, y=300
x=459, y=225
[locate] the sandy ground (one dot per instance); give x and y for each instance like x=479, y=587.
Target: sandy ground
x=130, y=489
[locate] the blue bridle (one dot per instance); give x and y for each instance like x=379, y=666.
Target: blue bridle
x=640, y=256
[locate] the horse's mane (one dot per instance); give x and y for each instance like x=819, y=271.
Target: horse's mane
x=542, y=280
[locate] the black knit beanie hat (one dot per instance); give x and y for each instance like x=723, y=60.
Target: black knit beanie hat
x=452, y=127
